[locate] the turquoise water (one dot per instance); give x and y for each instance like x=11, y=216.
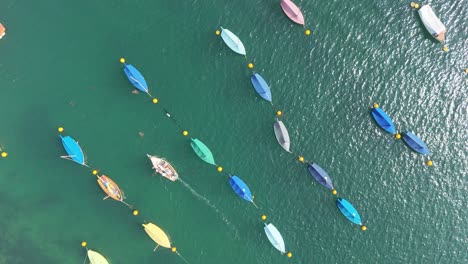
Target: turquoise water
x=59, y=67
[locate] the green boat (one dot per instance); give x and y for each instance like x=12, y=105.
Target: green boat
x=202, y=151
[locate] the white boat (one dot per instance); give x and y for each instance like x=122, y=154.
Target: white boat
x=432, y=23
x=96, y=258
x=163, y=167
x=232, y=41
x=275, y=237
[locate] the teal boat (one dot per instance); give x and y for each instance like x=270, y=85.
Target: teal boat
x=202, y=151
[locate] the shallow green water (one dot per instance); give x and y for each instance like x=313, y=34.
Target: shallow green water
x=59, y=67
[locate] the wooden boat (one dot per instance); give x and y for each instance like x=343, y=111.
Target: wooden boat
x=292, y=11
x=75, y=153
x=136, y=78
x=157, y=235
x=232, y=41
x=320, y=176
x=202, y=151
x=163, y=167
x=348, y=210
x=415, y=143
x=111, y=189
x=96, y=258
x=2, y=31
x=275, y=237
x=261, y=87
x=432, y=23
x=240, y=188
x=383, y=120
x=282, y=135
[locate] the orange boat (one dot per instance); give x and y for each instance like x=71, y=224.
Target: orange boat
x=2, y=31
x=111, y=189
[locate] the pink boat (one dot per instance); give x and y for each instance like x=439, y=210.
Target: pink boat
x=292, y=11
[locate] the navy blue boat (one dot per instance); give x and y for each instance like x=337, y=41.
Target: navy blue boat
x=415, y=143
x=320, y=176
x=383, y=120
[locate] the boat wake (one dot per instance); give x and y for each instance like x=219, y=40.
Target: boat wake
x=208, y=202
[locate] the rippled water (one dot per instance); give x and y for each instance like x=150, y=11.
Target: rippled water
x=59, y=67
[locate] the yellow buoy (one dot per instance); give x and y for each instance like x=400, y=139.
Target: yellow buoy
x=307, y=32
x=60, y=129
x=376, y=105
x=289, y=255
x=416, y=6
x=95, y=172
x=4, y=154
x=83, y=244
x=264, y=217
x=412, y=4
x=185, y=133
x=250, y=65
x=155, y=100
x=218, y=32
x=334, y=192
x=135, y=212
x=363, y=228
x=466, y=70
x=220, y=169
x=429, y=163
x=279, y=113
x=445, y=48
x=122, y=60
x=301, y=159
x=397, y=136
x=174, y=249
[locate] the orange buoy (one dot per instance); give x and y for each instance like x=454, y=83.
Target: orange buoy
x=2, y=31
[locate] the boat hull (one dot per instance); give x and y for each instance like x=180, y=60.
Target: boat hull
x=232, y=41
x=163, y=167
x=202, y=151
x=275, y=238
x=282, y=135
x=73, y=150
x=157, y=235
x=415, y=143
x=136, y=78
x=240, y=188
x=110, y=188
x=292, y=11
x=432, y=23
x=348, y=210
x=383, y=120
x=320, y=176
x=261, y=87
x=96, y=258
x=2, y=31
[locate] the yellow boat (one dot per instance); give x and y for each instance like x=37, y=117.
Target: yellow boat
x=96, y=258
x=157, y=235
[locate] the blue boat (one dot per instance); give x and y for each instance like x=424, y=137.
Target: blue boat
x=136, y=78
x=240, y=188
x=383, y=120
x=348, y=210
x=75, y=153
x=261, y=86
x=416, y=143
x=320, y=175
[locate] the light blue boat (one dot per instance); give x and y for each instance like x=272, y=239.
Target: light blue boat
x=416, y=143
x=240, y=188
x=348, y=210
x=383, y=120
x=75, y=153
x=136, y=78
x=261, y=87
x=232, y=41
x=320, y=176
